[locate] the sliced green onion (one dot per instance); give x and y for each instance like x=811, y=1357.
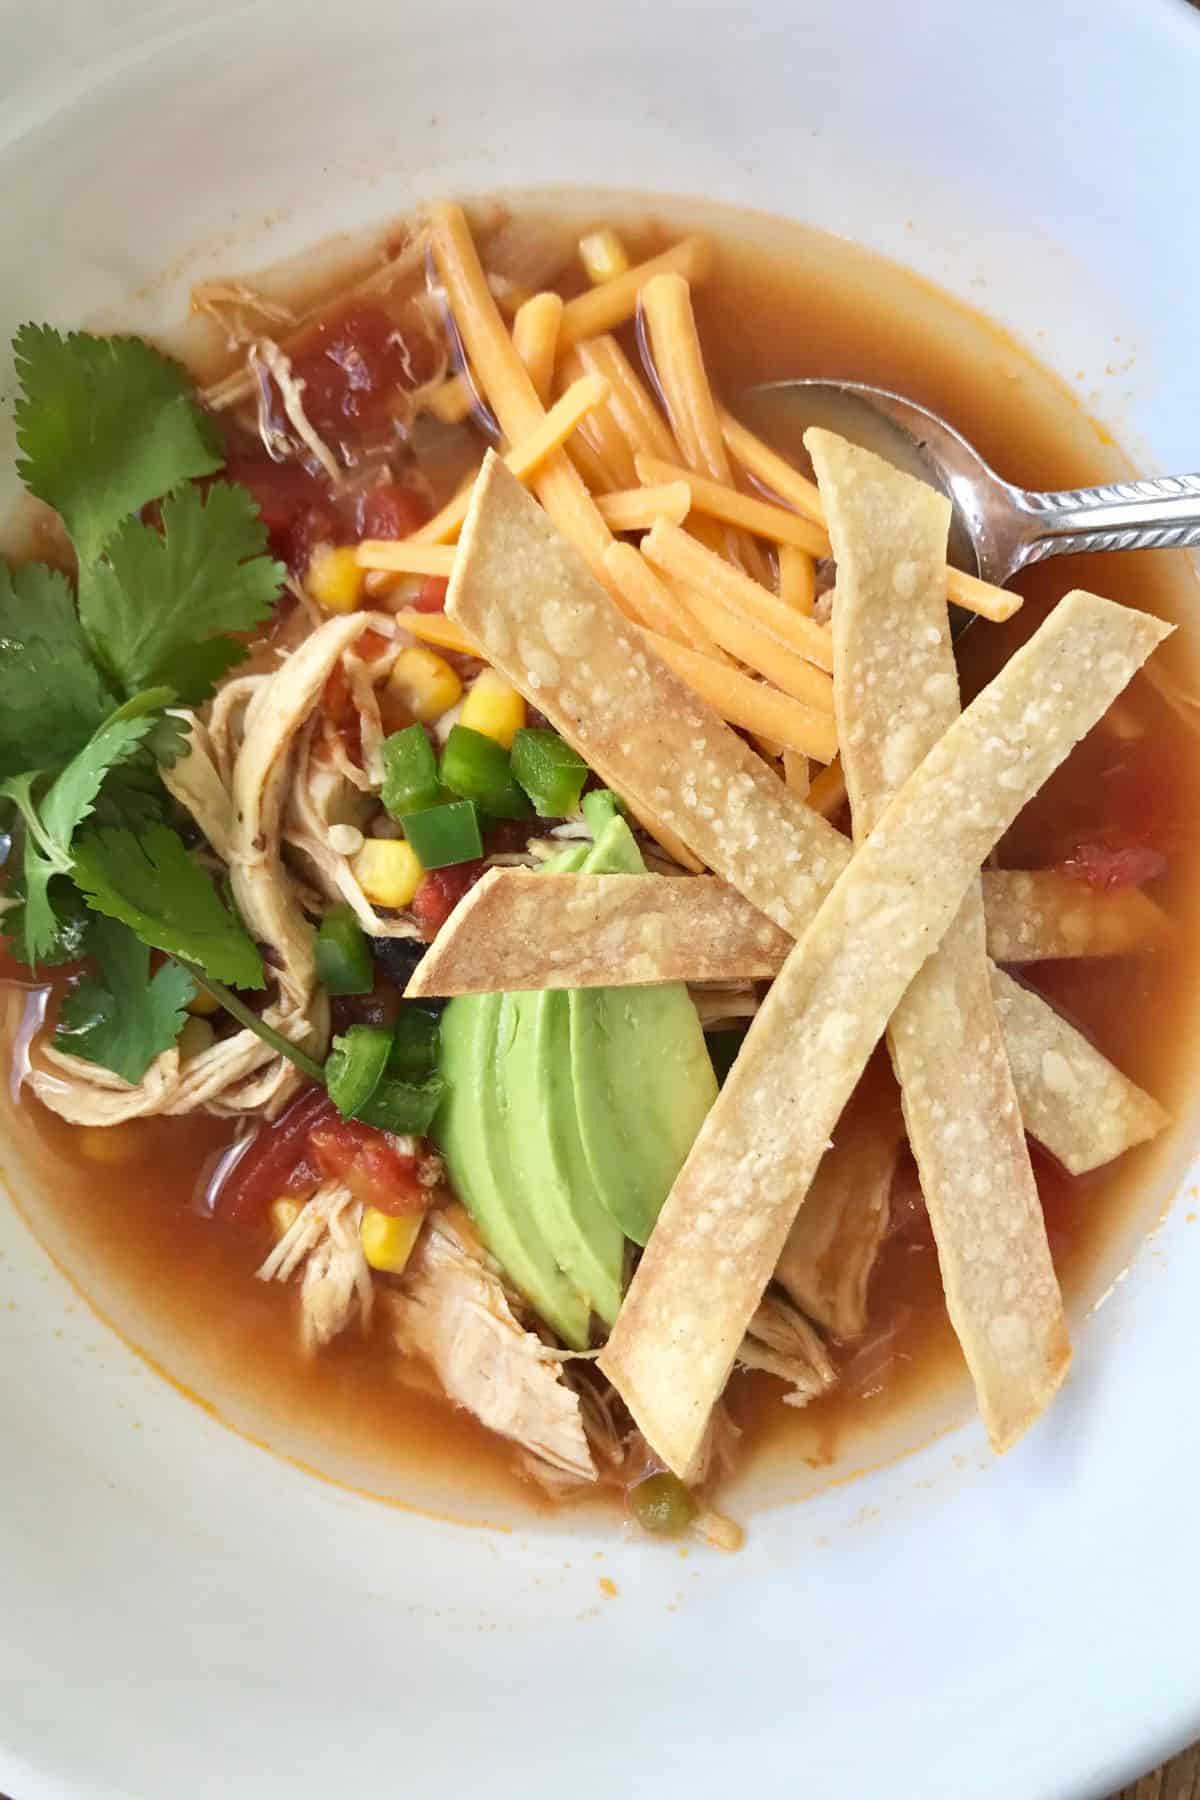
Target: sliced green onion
x=404, y=1106
x=478, y=768
x=355, y=1067
x=344, y=963
x=444, y=835
x=415, y=1039
x=599, y=808
x=410, y=775
x=551, y=773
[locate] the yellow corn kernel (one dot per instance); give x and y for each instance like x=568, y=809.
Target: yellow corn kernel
x=204, y=1005
x=387, y=1240
x=112, y=1144
x=603, y=255
x=283, y=1215
x=424, y=682
x=388, y=871
x=494, y=707
x=196, y=1037
x=334, y=578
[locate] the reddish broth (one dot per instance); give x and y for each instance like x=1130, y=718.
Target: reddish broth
x=781, y=301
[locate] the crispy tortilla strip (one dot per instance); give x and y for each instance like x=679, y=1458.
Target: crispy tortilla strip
x=831, y=1249
x=1072, y=1099
x=1036, y=915
x=522, y=593
x=508, y=933
x=896, y=688
x=721, y=1231
x=521, y=931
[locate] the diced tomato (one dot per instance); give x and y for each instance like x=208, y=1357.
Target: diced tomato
x=368, y=1162
x=390, y=510
x=296, y=506
x=431, y=596
x=439, y=894
x=275, y=1162
x=354, y=364
x=1107, y=869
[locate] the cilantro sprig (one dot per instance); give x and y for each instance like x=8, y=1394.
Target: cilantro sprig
x=108, y=427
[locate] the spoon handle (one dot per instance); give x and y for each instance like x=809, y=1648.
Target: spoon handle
x=1159, y=514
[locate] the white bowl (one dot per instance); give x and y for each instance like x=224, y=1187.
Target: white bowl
x=182, y=1613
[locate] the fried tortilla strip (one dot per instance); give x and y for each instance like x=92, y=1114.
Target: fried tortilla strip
x=1037, y=915
x=830, y=1251
x=1072, y=1099
x=508, y=932
x=724, y=1224
x=896, y=688
x=522, y=593
x=521, y=931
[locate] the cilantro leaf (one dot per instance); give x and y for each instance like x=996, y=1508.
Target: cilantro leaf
x=152, y=606
x=52, y=820
x=123, y=1018
x=71, y=921
x=36, y=602
x=151, y=884
x=105, y=424
x=51, y=701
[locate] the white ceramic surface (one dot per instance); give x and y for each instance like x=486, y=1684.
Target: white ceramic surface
x=180, y=1613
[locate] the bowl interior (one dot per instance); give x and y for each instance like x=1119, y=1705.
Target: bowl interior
x=953, y=1602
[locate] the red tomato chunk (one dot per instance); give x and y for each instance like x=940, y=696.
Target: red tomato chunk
x=439, y=894
x=1106, y=870
x=370, y=1164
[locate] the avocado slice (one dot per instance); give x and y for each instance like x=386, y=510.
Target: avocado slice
x=641, y=1074
x=475, y=1133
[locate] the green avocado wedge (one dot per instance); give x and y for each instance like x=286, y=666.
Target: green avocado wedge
x=475, y=1133
x=640, y=1071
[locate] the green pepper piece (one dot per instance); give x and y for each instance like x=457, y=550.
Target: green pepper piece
x=405, y=1107
x=551, y=773
x=662, y=1504
x=478, y=768
x=415, y=1037
x=410, y=776
x=443, y=835
x=355, y=1067
x=344, y=963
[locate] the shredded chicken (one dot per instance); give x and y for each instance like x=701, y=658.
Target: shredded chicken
x=267, y=355
x=452, y=1312
x=239, y=310
x=195, y=781
x=781, y=1341
x=321, y=797
x=324, y=1242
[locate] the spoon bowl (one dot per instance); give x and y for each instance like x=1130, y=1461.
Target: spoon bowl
x=997, y=528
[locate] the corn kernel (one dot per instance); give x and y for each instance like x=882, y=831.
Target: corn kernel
x=283, y=1215
x=388, y=872
x=603, y=255
x=387, y=1239
x=424, y=683
x=204, y=1005
x=334, y=578
x=112, y=1144
x=196, y=1037
x=494, y=708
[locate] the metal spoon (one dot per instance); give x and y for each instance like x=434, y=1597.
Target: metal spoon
x=997, y=528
